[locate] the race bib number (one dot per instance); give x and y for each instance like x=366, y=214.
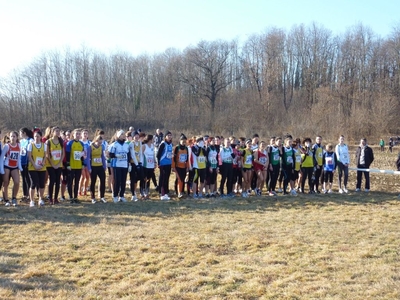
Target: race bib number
x=248, y=159
x=23, y=152
x=14, y=155
x=97, y=160
x=320, y=154
x=345, y=157
x=77, y=155
x=56, y=154
x=39, y=161
x=123, y=157
x=182, y=157
x=201, y=159
x=169, y=155
x=262, y=160
x=329, y=161
x=289, y=159
x=298, y=159
x=150, y=160
x=276, y=157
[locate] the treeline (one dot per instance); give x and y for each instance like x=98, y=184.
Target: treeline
x=304, y=80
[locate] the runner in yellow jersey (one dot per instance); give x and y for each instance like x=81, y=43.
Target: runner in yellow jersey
x=37, y=167
x=55, y=155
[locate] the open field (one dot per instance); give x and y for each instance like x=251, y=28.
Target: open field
x=306, y=247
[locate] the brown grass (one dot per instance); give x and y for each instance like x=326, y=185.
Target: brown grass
x=307, y=247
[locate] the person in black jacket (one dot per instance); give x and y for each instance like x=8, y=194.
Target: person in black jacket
x=364, y=158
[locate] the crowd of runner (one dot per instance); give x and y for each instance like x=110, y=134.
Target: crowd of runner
x=204, y=166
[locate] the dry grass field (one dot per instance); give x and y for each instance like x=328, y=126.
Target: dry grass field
x=307, y=247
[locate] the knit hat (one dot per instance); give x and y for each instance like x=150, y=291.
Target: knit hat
x=119, y=133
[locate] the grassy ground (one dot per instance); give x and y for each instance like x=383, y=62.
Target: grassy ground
x=306, y=247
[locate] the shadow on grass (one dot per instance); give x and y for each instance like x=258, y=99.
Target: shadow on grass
x=85, y=212
x=10, y=266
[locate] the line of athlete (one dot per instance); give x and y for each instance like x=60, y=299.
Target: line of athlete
x=68, y=159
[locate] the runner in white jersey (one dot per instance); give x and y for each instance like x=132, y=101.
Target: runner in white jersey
x=85, y=178
x=342, y=153
x=149, y=163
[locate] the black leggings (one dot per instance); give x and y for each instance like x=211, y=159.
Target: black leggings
x=26, y=180
x=145, y=182
x=227, y=174
x=98, y=171
x=318, y=173
x=287, y=171
x=307, y=173
x=237, y=176
x=37, y=179
x=73, y=178
x=165, y=172
x=120, y=175
x=55, y=177
x=212, y=176
x=136, y=175
x=273, y=176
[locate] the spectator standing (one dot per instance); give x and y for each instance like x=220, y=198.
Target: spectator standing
x=364, y=158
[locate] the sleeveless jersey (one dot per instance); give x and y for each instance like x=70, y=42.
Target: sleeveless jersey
x=274, y=155
x=166, y=157
x=148, y=157
x=297, y=155
x=96, y=156
x=262, y=158
x=76, y=150
x=201, y=160
x=24, y=145
x=137, y=146
x=212, y=157
x=308, y=161
x=38, y=156
x=181, y=157
x=319, y=152
x=288, y=156
x=329, y=164
x=55, y=152
x=226, y=155
x=12, y=156
x=247, y=159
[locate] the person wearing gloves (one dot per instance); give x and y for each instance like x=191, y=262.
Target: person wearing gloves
x=75, y=155
x=364, y=158
x=96, y=165
x=164, y=158
x=120, y=152
x=10, y=164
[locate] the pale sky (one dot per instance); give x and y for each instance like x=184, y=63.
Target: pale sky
x=31, y=27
